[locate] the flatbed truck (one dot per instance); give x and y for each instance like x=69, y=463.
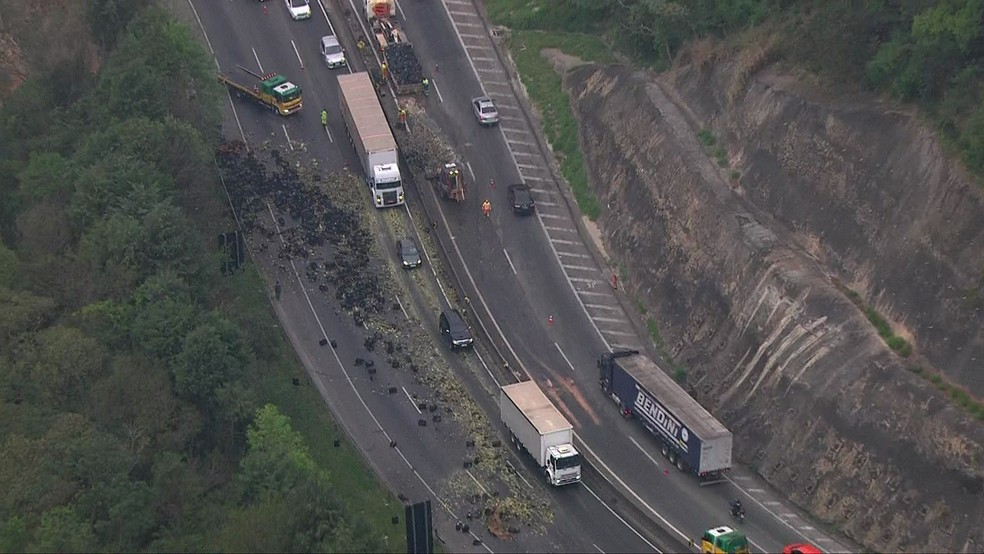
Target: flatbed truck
x=273, y=91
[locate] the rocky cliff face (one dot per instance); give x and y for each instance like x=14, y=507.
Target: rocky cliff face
x=742, y=275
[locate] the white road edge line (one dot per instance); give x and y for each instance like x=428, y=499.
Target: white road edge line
x=598, y=548
x=470, y=170
x=437, y=90
x=631, y=528
x=763, y=506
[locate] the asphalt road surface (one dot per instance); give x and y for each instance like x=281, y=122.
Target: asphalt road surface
x=529, y=271
x=423, y=457
x=520, y=266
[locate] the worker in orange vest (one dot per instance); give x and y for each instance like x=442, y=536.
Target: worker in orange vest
x=487, y=208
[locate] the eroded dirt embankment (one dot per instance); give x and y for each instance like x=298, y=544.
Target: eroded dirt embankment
x=740, y=275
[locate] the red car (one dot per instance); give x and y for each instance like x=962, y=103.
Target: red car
x=801, y=549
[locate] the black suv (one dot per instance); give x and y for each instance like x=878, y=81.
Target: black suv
x=455, y=330
x=521, y=199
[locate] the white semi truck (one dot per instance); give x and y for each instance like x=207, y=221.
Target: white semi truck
x=370, y=134
x=537, y=426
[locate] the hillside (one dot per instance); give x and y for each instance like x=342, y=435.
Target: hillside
x=791, y=192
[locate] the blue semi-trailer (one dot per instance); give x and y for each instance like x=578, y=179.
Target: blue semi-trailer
x=689, y=436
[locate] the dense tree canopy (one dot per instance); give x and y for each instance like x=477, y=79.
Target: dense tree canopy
x=925, y=51
x=126, y=385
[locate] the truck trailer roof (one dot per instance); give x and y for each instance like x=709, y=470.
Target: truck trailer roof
x=367, y=114
x=648, y=374
x=530, y=400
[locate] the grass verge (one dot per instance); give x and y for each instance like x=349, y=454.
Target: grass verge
x=357, y=487
x=545, y=88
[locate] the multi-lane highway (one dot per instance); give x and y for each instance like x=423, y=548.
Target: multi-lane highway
x=521, y=272
x=423, y=460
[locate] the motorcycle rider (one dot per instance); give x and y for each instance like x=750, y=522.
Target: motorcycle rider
x=736, y=508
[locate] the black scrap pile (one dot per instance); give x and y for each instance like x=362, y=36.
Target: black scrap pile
x=315, y=221
x=403, y=64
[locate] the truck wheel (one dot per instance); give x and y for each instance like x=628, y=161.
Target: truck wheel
x=665, y=451
x=673, y=457
x=681, y=466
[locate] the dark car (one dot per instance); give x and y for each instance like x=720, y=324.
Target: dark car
x=455, y=330
x=407, y=249
x=521, y=199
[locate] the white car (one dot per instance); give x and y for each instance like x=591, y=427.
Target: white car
x=299, y=9
x=332, y=52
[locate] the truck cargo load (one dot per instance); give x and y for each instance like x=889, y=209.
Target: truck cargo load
x=689, y=435
x=370, y=134
x=537, y=426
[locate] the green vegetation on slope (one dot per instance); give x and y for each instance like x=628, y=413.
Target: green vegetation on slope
x=930, y=52
x=145, y=399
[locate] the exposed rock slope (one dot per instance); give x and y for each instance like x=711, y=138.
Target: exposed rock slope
x=741, y=276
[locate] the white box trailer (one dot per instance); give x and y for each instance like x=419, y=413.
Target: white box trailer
x=370, y=134
x=537, y=426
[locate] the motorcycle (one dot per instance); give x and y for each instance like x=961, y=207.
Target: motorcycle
x=738, y=513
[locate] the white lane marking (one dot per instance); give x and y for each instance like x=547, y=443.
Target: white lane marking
x=289, y=143
x=547, y=203
x=559, y=241
x=644, y=452
x=527, y=166
x=399, y=8
x=603, y=307
x=470, y=170
x=756, y=490
x=551, y=216
x=626, y=523
x=569, y=364
x=582, y=279
x=574, y=255
x=489, y=371
x=348, y=67
x=523, y=142
x=412, y=403
x=327, y=132
x=561, y=229
x=591, y=293
x=462, y=14
x=579, y=267
x=470, y=474
x=772, y=503
x=522, y=153
x=437, y=90
x=471, y=36
x=510, y=118
x=405, y=314
x=639, y=499
x=511, y=266
x=482, y=59
x=597, y=548
x=490, y=70
x=257, y=58
x=348, y=378
x=298, y=54
x=619, y=333
x=463, y=24
x=608, y=319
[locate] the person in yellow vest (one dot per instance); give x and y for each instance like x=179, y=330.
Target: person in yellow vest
x=385, y=71
x=403, y=117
